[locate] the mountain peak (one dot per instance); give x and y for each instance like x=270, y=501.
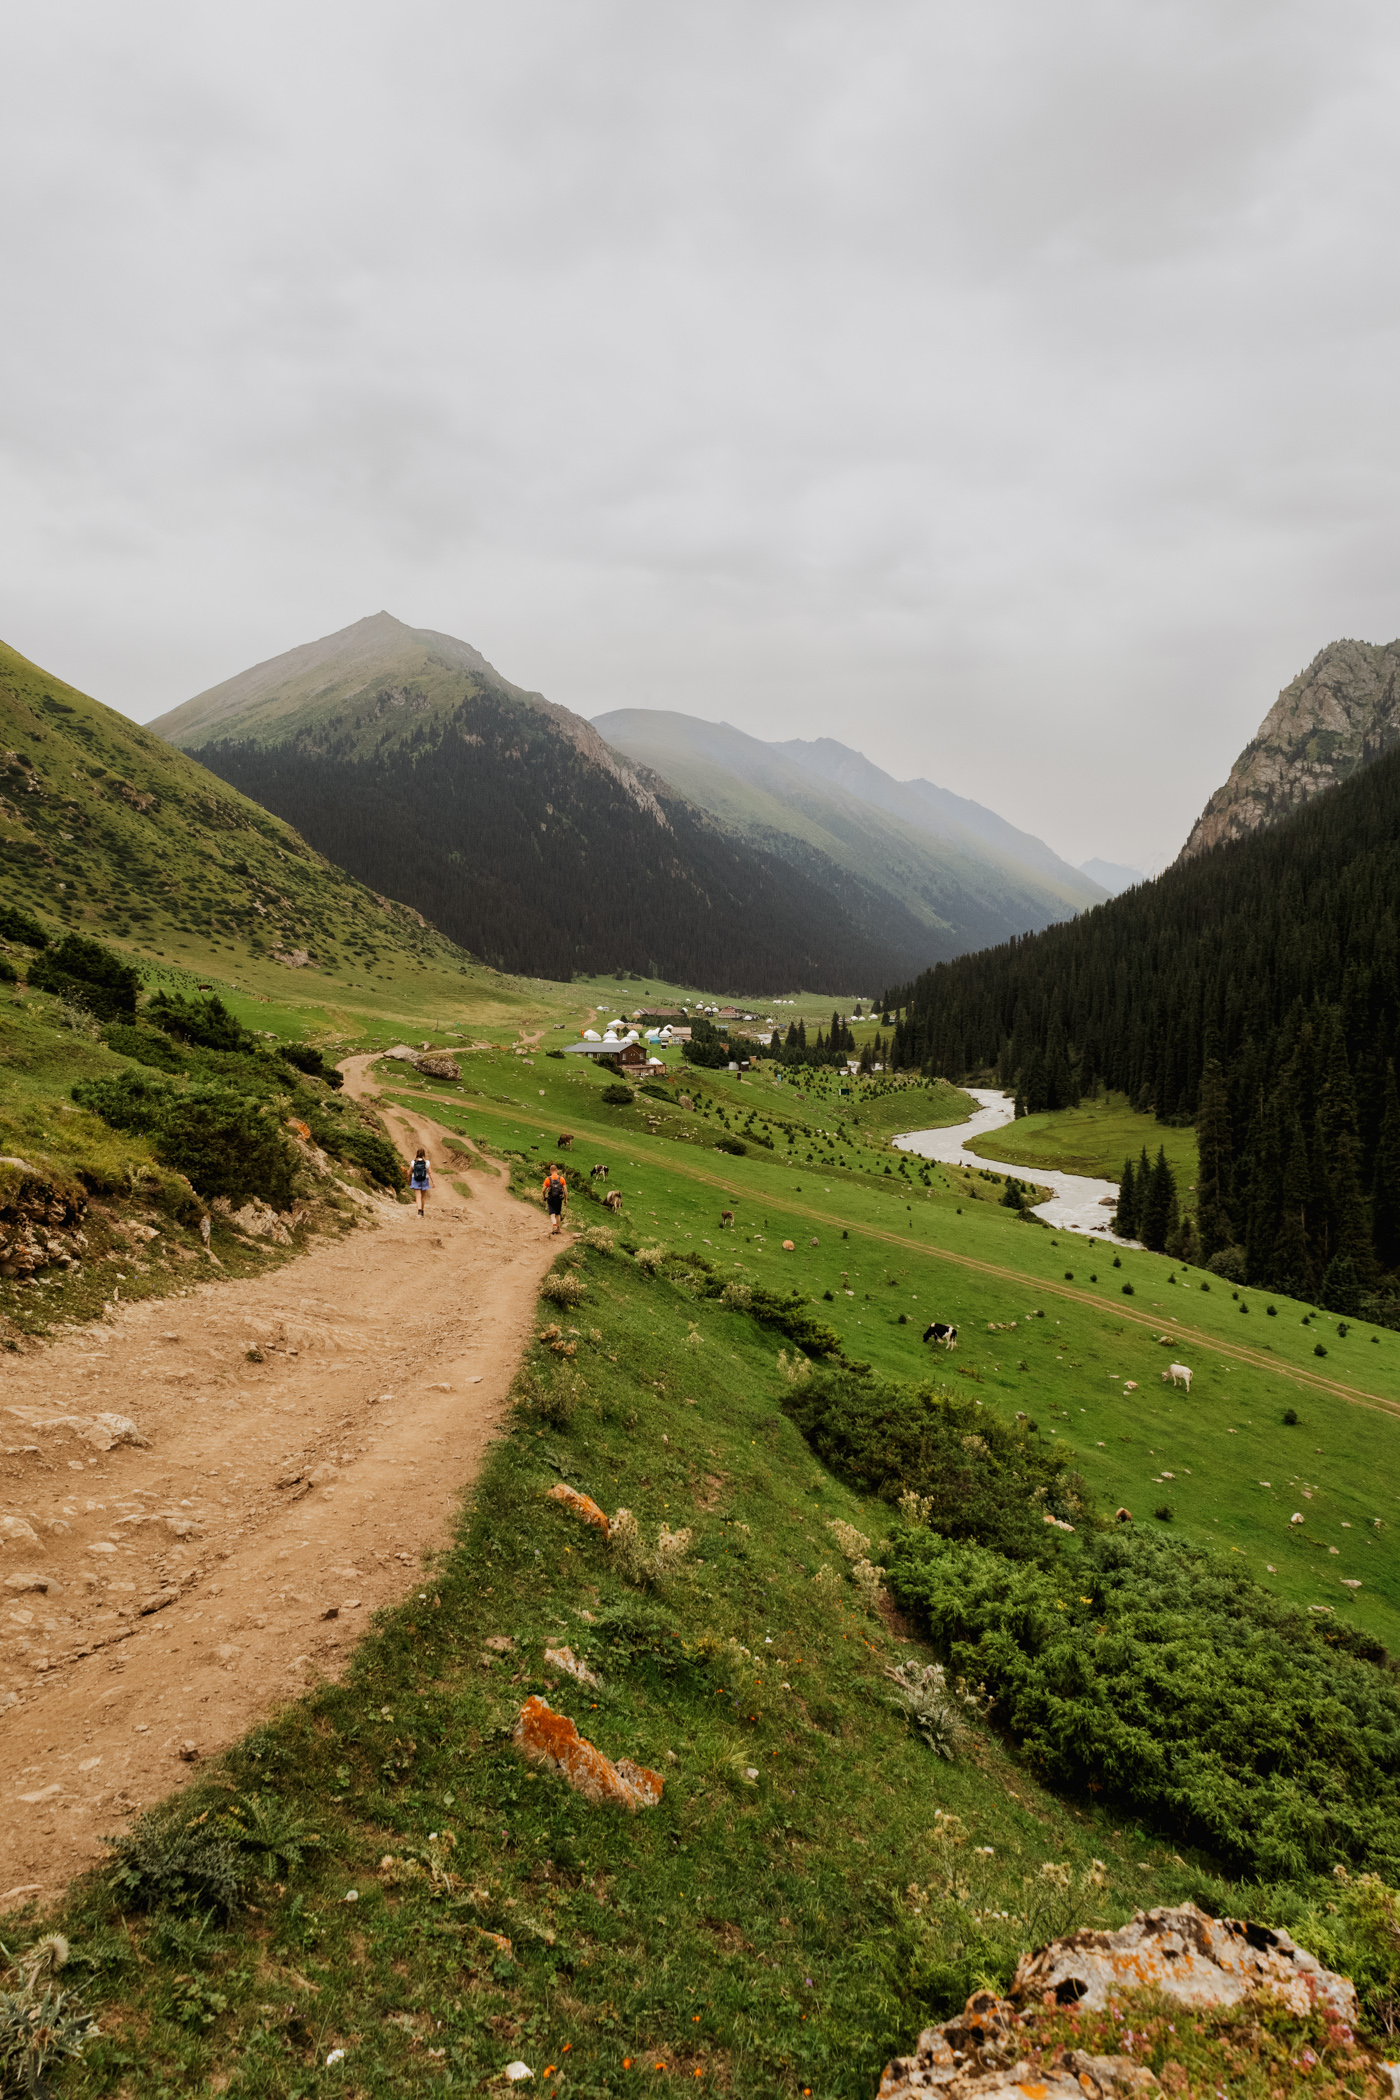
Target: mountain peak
x=1340, y=714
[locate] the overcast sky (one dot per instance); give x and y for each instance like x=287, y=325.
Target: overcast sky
x=1010, y=389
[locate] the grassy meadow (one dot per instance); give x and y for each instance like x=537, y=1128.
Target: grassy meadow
x=1093, y=1139
x=816, y=1883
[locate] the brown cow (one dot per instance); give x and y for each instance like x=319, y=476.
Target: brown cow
x=726, y=1217
x=566, y=1141
x=613, y=1199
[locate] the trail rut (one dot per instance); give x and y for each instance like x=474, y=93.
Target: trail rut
x=196, y=1582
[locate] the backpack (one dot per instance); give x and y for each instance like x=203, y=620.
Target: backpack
x=418, y=1175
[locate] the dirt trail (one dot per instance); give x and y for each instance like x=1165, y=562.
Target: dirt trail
x=199, y=1580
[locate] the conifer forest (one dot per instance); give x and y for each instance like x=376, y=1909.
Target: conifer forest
x=1254, y=991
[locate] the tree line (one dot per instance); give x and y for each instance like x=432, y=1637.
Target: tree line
x=1254, y=992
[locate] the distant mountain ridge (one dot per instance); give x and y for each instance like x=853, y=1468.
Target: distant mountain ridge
x=510, y=823
x=1112, y=875
x=1339, y=715
x=542, y=845
x=970, y=878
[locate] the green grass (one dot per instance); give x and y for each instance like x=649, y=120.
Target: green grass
x=758, y=1930
x=978, y=1265
x=1093, y=1139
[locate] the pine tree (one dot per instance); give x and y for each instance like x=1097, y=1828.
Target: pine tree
x=1215, y=1183
x=1125, y=1222
x=1290, y=1269
x=1340, y=1290
x=1158, y=1210
x=1385, y=1180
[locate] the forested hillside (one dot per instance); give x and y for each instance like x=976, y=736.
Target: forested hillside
x=1255, y=990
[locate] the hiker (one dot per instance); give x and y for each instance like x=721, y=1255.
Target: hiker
x=420, y=1178
x=554, y=1190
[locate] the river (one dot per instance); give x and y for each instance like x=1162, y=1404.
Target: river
x=1078, y=1203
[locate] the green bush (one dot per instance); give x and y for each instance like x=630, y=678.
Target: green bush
x=17, y=925
x=1160, y=1675
x=617, y=1095
x=207, y=1022
x=305, y=1057
x=734, y=1146
x=981, y=1479
x=8, y=973
x=146, y=1045
x=89, y=975
x=172, y=1859
x=220, y=1140
x=380, y=1160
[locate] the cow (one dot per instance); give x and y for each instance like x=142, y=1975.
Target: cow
x=566, y=1141
x=1123, y=1516
x=1177, y=1374
x=613, y=1200
x=940, y=1333
x=726, y=1217
x=597, y=1173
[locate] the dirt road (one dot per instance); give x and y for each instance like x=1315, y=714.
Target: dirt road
x=159, y=1598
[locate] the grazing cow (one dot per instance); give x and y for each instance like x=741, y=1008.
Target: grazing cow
x=613, y=1200
x=566, y=1141
x=940, y=1332
x=597, y=1173
x=726, y=1217
x=1123, y=1516
x=1131, y=1386
x=1178, y=1374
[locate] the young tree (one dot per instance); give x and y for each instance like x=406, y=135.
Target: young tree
x=1385, y=1179
x=1157, y=1218
x=1215, y=1182
x=1125, y=1221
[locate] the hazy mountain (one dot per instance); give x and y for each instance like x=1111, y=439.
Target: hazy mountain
x=1339, y=715
x=106, y=829
x=968, y=877
x=1110, y=876
x=404, y=755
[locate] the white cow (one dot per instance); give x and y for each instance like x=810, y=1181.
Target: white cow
x=1178, y=1374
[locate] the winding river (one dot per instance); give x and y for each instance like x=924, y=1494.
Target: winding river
x=1078, y=1204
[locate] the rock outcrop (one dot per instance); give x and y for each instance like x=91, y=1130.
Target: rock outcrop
x=551, y=1740
x=985, y=2053
x=1339, y=715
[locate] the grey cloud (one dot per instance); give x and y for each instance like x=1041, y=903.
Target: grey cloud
x=1008, y=390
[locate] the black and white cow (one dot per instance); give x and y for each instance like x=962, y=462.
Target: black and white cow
x=942, y=1334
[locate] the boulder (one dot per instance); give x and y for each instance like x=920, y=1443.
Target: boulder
x=259, y=1221
x=551, y=1741
x=983, y=2054
x=1185, y=1955
x=15, y=1532
x=564, y=1660
x=437, y=1066
x=581, y=1505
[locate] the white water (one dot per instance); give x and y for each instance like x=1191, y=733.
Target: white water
x=1077, y=1204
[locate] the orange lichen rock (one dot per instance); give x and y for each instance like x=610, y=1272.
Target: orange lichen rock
x=581, y=1505
x=551, y=1740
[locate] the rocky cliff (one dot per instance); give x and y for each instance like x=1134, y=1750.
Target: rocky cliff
x=1340, y=714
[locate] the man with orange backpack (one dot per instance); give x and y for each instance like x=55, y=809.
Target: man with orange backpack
x=555, y=1190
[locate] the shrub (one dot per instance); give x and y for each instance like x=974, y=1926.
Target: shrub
x=922, y=1692
x=737, y=1296
x=1319, y=1349
x=972, y=1475
x=17, y=925
x=170, y=1859
x=1229, y=1264
x=8, y=973
x=617, y=1095
x=380, y=1160
x=562, y=1287
x=1164, y=1512
x=735, y=1146
x=131, y=1101
x=146, y=1046
x=1290, y=1416
x=206, y=1021
x=219, y=1140
x=869, y=1581
x=90, y=975
x=639, y=1563
x=853, y=1543
x=305, y=1057
x=1127, y=1290
x=600, y=1238
x=1164, y=1676
x=41, y=2027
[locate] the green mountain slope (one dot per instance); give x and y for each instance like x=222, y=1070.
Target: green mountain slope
x=507, y=820
x=106, y=828
x=970, y=878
